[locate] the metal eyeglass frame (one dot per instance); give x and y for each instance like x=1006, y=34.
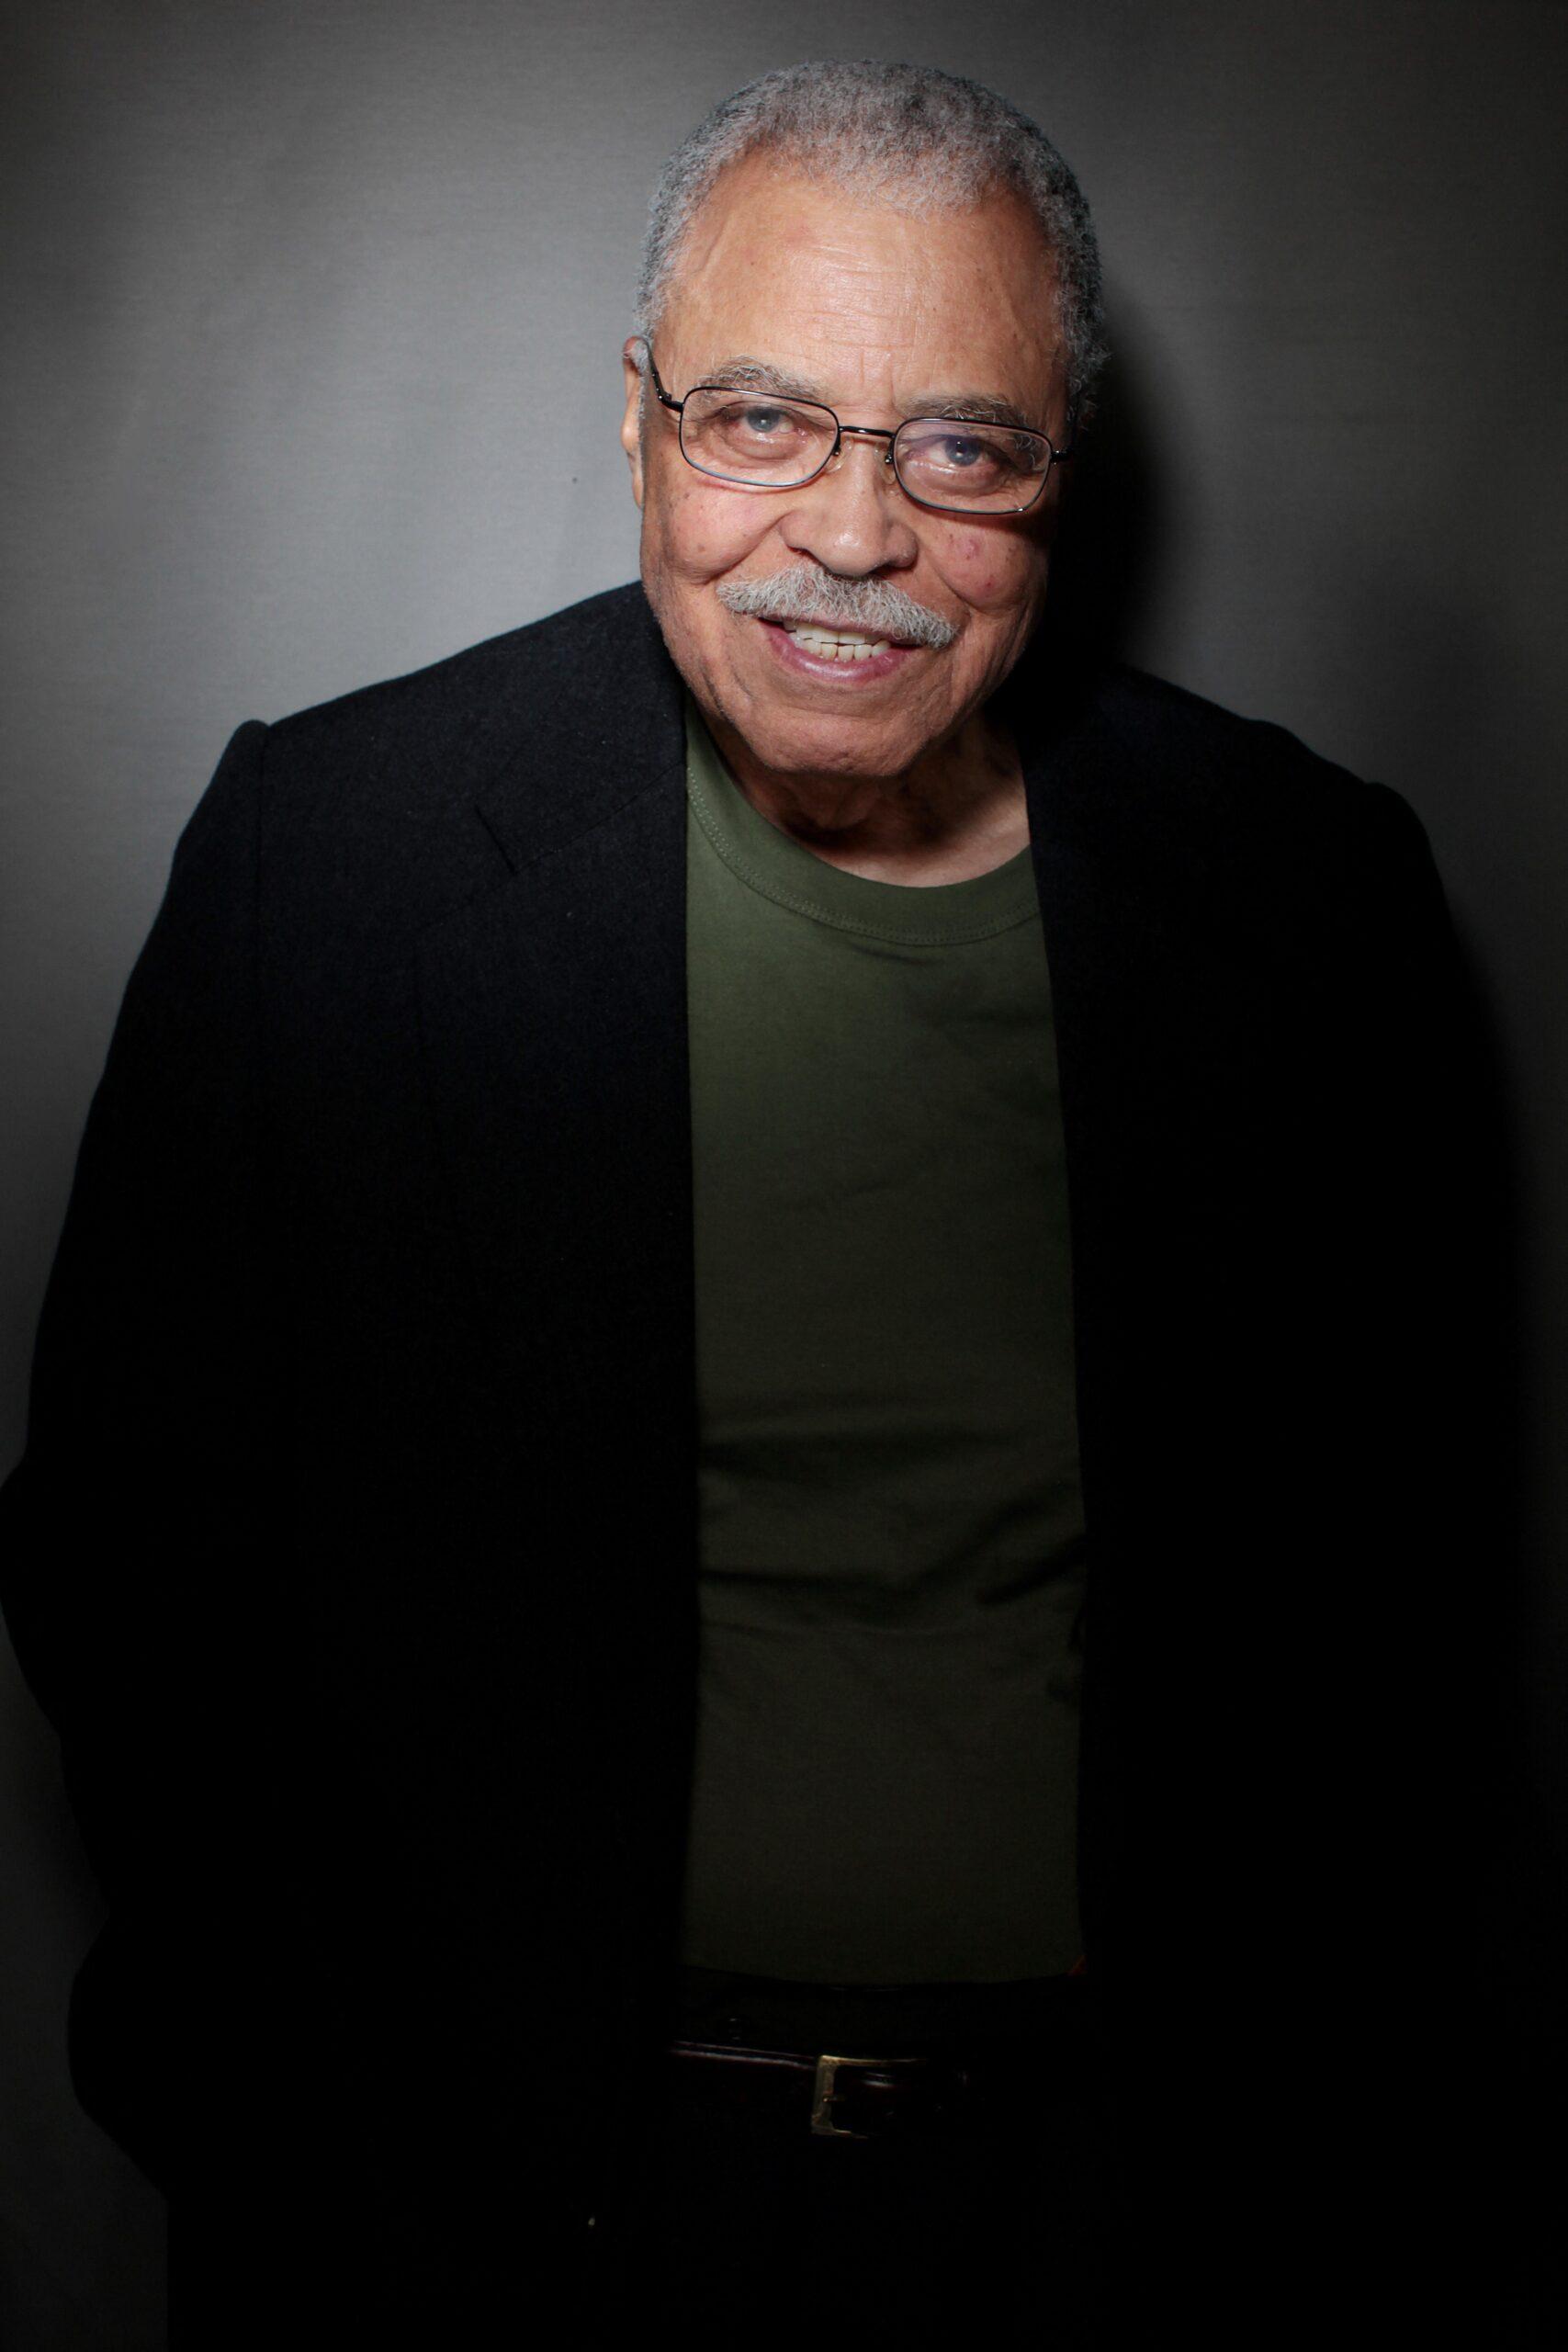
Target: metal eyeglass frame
x=862, y=432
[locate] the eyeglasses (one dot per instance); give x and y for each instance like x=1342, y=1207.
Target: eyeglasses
x=763, y=440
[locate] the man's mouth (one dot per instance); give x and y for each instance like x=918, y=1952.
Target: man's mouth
x=835, y=644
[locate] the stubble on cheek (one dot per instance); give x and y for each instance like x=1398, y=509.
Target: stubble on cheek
x=679, y=557
x=676, y=593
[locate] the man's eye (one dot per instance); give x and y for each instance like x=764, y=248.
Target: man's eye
x=760, y=428
x=976, y=453
x=975, y=459
x=746, y=434
x=756, y=422
x=761, y=420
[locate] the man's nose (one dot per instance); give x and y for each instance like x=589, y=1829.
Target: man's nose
x=853, y=519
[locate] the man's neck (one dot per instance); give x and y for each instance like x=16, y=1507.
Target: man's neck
x=958, y=813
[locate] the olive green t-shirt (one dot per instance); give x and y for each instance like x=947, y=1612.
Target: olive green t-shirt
x=891, y=1531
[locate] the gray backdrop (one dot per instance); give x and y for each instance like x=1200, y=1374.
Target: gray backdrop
x=314, y=311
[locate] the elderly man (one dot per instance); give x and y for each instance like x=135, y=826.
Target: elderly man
x=731, y=1511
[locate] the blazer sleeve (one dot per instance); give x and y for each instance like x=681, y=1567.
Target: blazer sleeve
x=1414, y=1591
x=132, y=1543
x=1426, y=1133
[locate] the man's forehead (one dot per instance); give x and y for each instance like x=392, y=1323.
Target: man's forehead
x=794, y=284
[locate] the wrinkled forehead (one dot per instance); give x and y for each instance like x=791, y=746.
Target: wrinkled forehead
x=861, y=290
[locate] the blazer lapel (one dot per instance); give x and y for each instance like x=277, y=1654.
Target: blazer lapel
x=1165, y=1009
x=1163, y=1016
x=554, y=1034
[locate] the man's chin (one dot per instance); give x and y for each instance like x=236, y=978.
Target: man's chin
x=796, y=742
x=796, y=725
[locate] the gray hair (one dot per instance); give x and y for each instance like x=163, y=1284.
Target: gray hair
x=911, y=134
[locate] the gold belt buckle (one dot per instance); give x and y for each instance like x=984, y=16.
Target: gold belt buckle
x=825, y=2091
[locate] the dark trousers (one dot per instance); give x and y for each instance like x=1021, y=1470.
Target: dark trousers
x=745, y=2225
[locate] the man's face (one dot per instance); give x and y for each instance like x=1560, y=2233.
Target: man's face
x=882, y=316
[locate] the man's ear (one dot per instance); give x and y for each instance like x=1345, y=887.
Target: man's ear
x=631, y=423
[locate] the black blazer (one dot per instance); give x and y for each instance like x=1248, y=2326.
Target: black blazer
x=352, y=1551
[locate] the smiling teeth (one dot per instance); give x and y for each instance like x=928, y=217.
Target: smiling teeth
x=835, y=647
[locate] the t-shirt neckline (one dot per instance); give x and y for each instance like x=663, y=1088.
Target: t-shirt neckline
x=768, y=862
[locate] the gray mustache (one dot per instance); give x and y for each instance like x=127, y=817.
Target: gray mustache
x=806, y=593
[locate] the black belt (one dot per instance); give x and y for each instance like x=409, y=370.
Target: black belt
x=853, y=2096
